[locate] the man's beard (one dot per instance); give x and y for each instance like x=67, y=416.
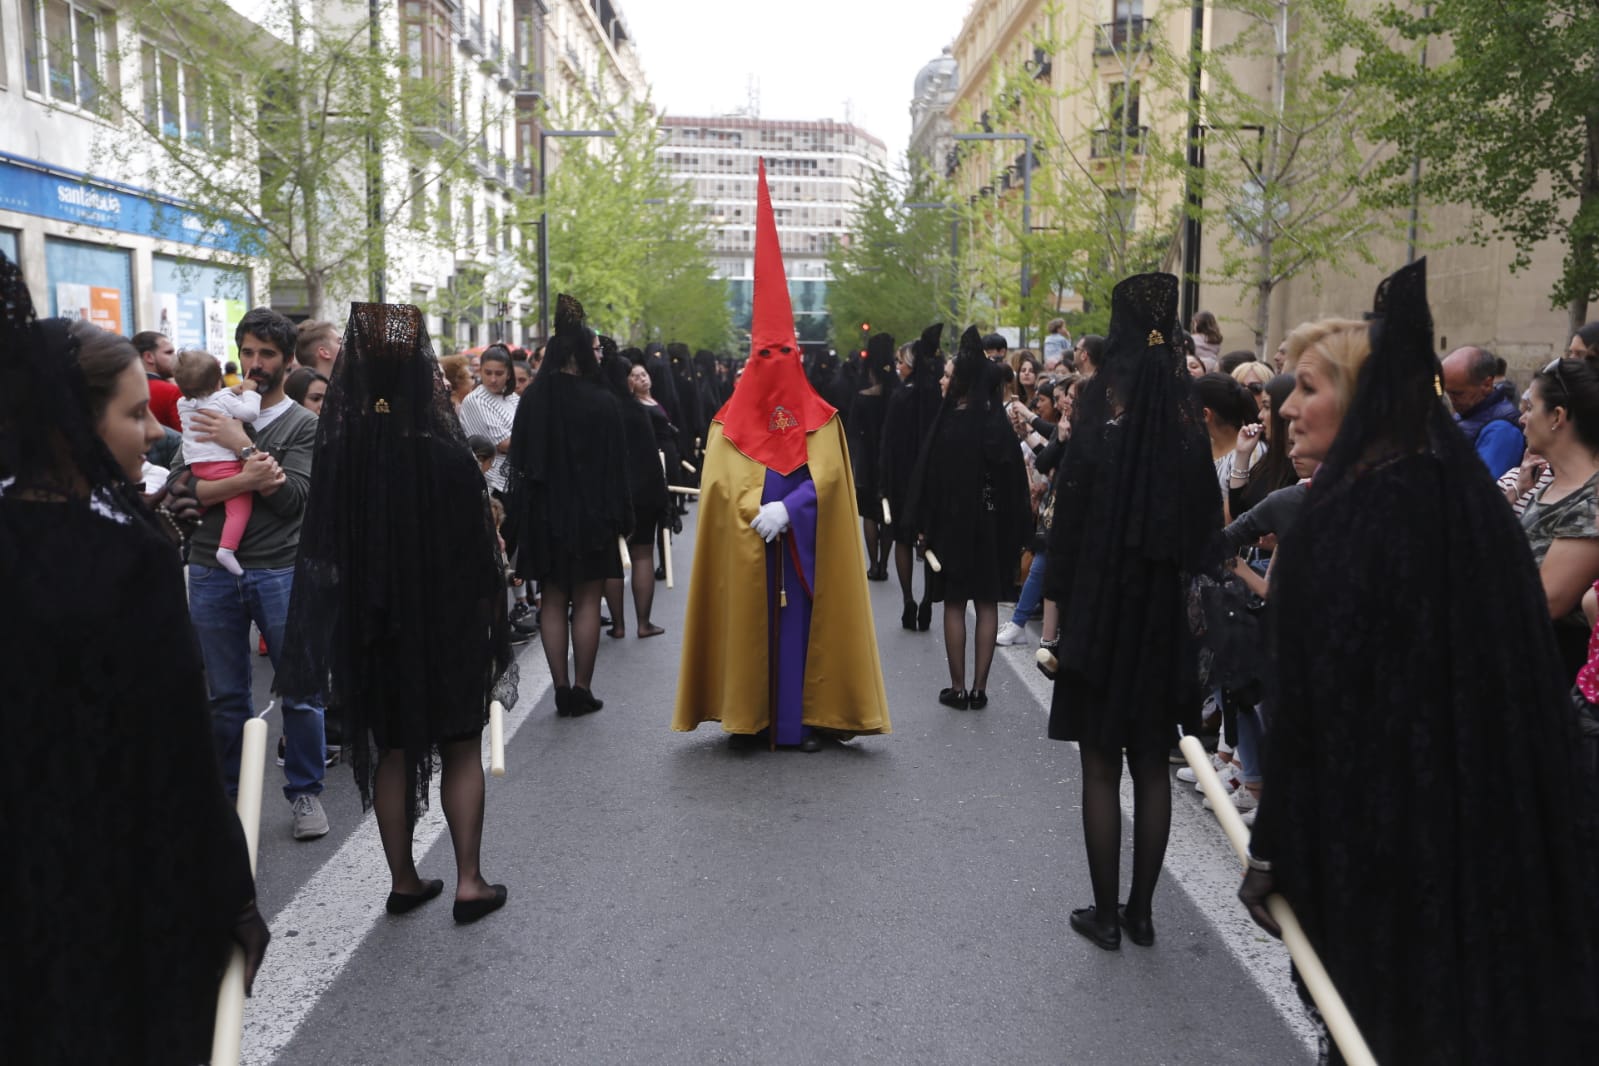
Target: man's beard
x=265, y=383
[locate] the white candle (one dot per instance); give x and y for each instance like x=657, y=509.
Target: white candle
x=666, y=554
x=932, y=561
x=228, y=1034
x=497, y=738
x=888, y=516
x=682, y=490
x=1340, y=1025
x=621, y=546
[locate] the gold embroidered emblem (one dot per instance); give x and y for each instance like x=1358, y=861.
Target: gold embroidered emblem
x=381, y=407
x=1155, y=337
x=782, y=420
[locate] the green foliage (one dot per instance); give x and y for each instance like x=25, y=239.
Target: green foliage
x=1501, y=107
x=282, y=129
x=895, y=271
x=625, y=239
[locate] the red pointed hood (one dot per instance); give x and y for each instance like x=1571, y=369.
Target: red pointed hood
x=773, y=405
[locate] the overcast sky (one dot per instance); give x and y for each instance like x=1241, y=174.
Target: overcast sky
x=809, y=57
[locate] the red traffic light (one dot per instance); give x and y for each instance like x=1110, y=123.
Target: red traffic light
x=866, y=327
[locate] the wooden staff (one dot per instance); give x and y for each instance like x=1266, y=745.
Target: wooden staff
x=497, y=738
x=1340, y=1025
x=227, y=1036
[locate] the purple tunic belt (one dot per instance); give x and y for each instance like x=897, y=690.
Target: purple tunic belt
x=789, y=628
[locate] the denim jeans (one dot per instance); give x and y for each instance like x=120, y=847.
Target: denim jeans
x=1032, y=594
x=222, y=607
x=1247, y=745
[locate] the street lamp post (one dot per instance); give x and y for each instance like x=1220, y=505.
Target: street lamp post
x=544, y=222
x=1027, y=202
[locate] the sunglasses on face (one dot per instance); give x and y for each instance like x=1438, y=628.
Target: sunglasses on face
x=1255, y=387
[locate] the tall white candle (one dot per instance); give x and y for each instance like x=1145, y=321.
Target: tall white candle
x=888, y=515
x=666, y=555
x=228, y=1034
x=932, y=561
x=497, y=738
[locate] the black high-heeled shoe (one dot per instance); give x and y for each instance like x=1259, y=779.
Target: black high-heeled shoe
x=1104, y=934
x=977, y=699
x=954, y=697
x=1140, y=931
x=924, y=615
x=583, y=701
x=563, y=701
x=907, y=617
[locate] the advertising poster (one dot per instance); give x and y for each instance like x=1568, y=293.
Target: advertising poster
x=166, y=316
x=105, y=308
x=72, y=301
x=233, y=313
x=216, y=328
x=191, y=323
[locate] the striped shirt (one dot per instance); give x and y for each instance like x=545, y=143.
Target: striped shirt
x=485, y=414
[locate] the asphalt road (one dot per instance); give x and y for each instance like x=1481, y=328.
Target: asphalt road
x=900, y=899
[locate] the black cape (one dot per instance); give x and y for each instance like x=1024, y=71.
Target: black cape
x=865, y=434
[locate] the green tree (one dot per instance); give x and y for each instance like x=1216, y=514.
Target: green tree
x=1500, y=113
x=1282, y=166
x=895, y=272
x=281, y=131
x=625, y=239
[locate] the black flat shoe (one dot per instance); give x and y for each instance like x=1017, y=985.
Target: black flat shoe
x=954, y=697
x=1139, y=931
x=405, y=902
x=563, y=700
x=468, y=911
x=810, y=744
x=1104, y=934
x=907, y=617
x=583, y=701
x=924, y=616
x=977, y=699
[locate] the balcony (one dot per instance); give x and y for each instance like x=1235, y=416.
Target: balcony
x=1112, y=38
x=522, y=177
x=1108, y=143
x=433, y=121
x=469, y=34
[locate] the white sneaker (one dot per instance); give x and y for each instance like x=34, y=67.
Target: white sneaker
x=1187, y=774
x=1242, y=800
x=1231, y=778
x=1249, y=817
x=1010, y=633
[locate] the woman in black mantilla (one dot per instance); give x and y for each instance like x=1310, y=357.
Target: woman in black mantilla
x=912, y=408
x=868, y=407
x=399, y=597
x=968, y=501
x=1136, y=503
x=652, y=506
x=126, y=877
x=1455, y=914
x=567, y=500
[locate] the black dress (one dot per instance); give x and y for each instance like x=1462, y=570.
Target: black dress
x=867, y=411
x=125, y=865
x=644, y=427
x=971, y=503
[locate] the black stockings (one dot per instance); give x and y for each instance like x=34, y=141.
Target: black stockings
x=643, y=556
x=876, y=545
x=584, y=631
x=461, y=794
x=905, y=567
x=1102, y=826
x=955, y=642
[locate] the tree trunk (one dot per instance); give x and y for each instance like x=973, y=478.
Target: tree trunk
x=1585, y=248
x=1269, y=184
x=315, y=293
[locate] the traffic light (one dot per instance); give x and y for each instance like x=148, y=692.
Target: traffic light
x=866, y=327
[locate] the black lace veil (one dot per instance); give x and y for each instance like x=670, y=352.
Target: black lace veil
x=399, y=606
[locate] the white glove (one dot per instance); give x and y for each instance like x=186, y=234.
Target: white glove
x=771, y=521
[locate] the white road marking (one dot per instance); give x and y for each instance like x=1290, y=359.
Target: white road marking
x=320, y=929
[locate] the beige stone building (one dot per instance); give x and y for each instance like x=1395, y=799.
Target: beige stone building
x=1106, y=119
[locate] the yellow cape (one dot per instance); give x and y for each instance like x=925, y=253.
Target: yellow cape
x=724, y=670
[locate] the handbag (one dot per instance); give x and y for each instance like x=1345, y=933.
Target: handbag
x=1230, y=616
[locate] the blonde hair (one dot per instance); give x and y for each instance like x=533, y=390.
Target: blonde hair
x=1340, y=346
x=1244, y=373
x=197, y=373
x=311, y=335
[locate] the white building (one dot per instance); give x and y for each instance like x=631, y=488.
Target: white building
x=814, y=171
x=931, y=128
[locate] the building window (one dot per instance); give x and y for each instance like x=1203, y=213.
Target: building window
x=181, y=103
x=63, y=48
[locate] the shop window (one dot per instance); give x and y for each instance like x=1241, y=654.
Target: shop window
x=198, y=304
x=64, y=51
x=90, y=282
x=8, y=244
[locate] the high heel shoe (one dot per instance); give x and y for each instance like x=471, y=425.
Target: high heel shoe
x=563, y=701
x=1107, y=935
x=468, y=911
x=954, y=697
x=583, y=701
x=977, y=699
x=907, y=617
x=1140, y=931
x=924, y=615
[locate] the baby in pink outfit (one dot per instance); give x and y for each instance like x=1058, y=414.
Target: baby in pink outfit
x=199, y=377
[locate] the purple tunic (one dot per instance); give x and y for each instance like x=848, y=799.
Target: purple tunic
x=789, y=628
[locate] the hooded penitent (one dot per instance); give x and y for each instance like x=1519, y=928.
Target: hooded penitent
x=1455, y=915
x=778, y=635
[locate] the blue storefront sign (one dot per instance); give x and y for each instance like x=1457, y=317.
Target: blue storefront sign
x=68, y=196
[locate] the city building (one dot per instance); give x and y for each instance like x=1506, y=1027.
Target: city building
x=936, y=85
x=814, y=170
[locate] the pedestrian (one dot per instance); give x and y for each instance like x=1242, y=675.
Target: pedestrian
x=567, y=501
x=399, y=599
x=1136, y=502
x=490, y=409
x=317, y=345
x=1413, y=661
x=868, y=409
x=968, y=502
x=459, y=376
x=158, y=356
x=646, y=483
x=200, y=378
x=1207, y=338
x=1585, y=342
x=307, y=387
x=1057, y=346
x=276, y=465
x=127, y=880
x=912, y=410
x=778, y=640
